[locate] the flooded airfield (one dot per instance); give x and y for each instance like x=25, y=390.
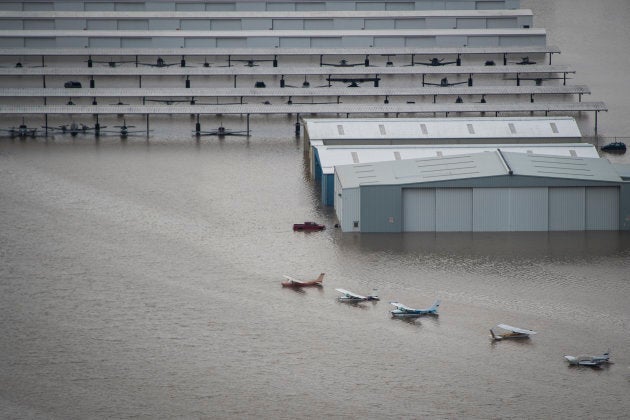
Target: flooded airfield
x=141, y=279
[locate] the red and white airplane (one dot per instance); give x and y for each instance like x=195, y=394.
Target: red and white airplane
x=291, y=282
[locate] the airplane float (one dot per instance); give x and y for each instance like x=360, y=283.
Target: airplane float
x=404, y=311
x=588, y=360
x=292, y=282
x=351, y=297
x=512, y=332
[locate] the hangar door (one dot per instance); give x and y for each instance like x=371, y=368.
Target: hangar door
x=437, y=209
x=584, y=208
x=475, y=209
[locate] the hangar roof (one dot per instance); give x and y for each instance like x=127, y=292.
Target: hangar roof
x=329, y=129
x=331, y=156
x=476, y=165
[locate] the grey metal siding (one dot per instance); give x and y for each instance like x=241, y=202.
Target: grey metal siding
x=419, y=210
x=566, y=208
x=453, y=209
x=351, y=210
x=602, y=208
x=529, y=209
x=491, y=209
x=381, y=209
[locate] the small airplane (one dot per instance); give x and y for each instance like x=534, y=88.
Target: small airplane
x=525, y=61
x=444, y=83
x=351, y=297
x=404, y=311
x=172, y=101
x=22, y=131
x=588, y=360
x=221, y=132
x=110, y=63
x=251, y=62
x=124, y=130
x=160, y=63
x=513, y=332
x=344, y=63
x=291, y=282
x=73, y=128
x=434, y=62
x=354, y=81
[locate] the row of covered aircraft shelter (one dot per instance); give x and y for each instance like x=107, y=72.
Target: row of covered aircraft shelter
x=242, y=57
x=465, y=174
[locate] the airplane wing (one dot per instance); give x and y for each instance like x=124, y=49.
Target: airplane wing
x=588, y=363
x=350, y=294
x=292, y=280
x=401, y=306
x=515, y=329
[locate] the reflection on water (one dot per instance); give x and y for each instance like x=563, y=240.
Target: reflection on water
x=569, y=246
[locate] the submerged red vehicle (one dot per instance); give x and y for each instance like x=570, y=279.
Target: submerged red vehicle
x=308, y=226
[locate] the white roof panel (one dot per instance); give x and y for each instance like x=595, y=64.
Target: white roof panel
x=475, y=165
x=331, y=156
x=441, y=128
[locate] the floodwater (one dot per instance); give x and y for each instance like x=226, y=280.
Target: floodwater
x=141, y=279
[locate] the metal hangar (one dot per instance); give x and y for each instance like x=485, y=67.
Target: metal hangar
x=482, y=192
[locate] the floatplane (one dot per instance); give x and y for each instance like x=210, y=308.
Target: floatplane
x=404, y=311
x=351, y=297
x=291, y=282
x=511, y=332
x=588, y=360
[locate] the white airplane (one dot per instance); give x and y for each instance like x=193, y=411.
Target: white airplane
x=588, y=360
x=513, y=332
x=404, y=311
x=351, y=297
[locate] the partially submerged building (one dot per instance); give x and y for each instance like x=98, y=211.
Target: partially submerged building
x=332, y=142
x=477, y=192
x=326, y=158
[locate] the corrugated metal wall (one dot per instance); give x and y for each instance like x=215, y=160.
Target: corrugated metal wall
x=418, y=209
x=453, y=209
x=602, y=208
x=510, y=209
x=566, y=208
x=351, y=211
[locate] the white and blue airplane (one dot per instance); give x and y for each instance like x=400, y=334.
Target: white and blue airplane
x=588, y=360
x=404, y=311
x=351, y=297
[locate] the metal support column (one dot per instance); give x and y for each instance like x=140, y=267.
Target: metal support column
x=147, y=125
x=248, y=125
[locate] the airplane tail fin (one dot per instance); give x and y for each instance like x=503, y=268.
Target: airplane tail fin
x=320, y=278
x=435, y=306
x=494, y=337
